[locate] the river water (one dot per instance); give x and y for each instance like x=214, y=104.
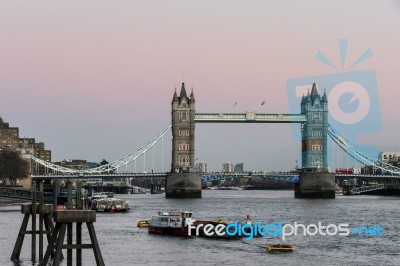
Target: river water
x=123, y=243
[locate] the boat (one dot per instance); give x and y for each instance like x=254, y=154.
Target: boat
x=107, y=202
x=279, y=248
x=138, y=190
x=171, y=223
x=338, y=190
x=143, y=223
x=102, y=195
x=177, y=223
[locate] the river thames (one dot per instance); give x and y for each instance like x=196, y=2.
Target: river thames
x=123, y=243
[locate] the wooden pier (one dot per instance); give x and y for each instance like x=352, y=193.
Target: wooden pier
x=32, y=210
x=65, y=220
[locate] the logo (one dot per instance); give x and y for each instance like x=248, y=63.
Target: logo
x=249, y=230
x=349, y=102
x=353, y=102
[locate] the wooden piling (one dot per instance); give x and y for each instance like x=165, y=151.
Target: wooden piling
x=64, y=225
x=33, y=253
x=32, y=210
x=41, y=221
x=27, y=210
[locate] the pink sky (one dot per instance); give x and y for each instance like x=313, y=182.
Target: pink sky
x=94, y=79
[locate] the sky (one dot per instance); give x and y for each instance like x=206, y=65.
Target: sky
x=95, y=79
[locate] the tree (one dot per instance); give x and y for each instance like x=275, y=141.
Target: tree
x=12, y=167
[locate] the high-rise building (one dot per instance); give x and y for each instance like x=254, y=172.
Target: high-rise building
x=238, y=168
x=9, y=136
x=385, y=156
x=202, y=167
x=227, y=167
x=9, y=139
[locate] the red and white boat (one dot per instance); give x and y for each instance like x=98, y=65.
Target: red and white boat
x=171, y=223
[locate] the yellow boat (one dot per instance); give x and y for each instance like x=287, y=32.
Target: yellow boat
x=143, y=223
x=220, y=221
x=279, y=248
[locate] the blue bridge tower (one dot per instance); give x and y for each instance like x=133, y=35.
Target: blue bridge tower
x=315, y=131
x=315, y=180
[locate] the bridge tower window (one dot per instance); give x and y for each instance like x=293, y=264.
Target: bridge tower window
x=184, y=133
x=316, y=147
x=183, y=116
x=183, y=147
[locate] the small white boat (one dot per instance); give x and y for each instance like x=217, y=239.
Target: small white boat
x=107, y=202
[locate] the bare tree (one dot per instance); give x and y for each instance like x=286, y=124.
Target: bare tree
x=12, y=167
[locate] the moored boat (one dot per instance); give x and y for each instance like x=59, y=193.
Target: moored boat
x=177, y=223
x=171, y=223
x=279, y=248
x=143, y=223
x=107, y=202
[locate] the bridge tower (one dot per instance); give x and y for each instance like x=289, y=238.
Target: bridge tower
x=315, y=181
x=183, y=181
x=183, y=111
x=315, y=131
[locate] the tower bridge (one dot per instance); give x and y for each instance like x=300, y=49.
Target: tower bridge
x=313, y=118
x=182, y=181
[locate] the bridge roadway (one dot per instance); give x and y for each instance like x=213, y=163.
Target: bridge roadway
x=366, y=176
x=291, y=177
x=206, y=177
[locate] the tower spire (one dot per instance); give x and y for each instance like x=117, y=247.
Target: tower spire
x=324, y=97
x=314, y=91
x=175, y=97
x=183, y=92
x=192, y=96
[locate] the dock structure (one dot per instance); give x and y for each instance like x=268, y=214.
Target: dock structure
x=65, y=219
x=32, y=210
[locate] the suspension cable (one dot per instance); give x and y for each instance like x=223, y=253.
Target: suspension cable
x=107, y=167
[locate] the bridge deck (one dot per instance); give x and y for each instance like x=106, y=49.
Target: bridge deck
x=249, y=117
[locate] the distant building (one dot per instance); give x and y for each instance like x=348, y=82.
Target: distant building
x=9, y=139
x=202, y=167
x=395, y=161
x=227, y=167
x=238, y=168
x=385, y=156
x=77, y=164
x=9, y=136
x=92, y=165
